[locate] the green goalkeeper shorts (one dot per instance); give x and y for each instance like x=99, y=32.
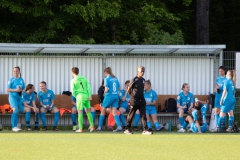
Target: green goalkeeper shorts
x=82, y=102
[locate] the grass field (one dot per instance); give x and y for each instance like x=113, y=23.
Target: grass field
x=108, y=145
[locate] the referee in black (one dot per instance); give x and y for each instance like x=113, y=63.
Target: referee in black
x=137, y=101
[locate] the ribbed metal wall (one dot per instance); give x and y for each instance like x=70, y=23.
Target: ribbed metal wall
x=168, y=74
x=54, y=70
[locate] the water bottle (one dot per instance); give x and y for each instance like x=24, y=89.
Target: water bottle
x=170, y=125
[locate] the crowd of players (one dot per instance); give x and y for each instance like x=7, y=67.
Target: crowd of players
x=137, y=97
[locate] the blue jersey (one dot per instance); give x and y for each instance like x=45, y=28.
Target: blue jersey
x=220, y=81
x=229, y=86
x=28, y=98
x=112, y=84
x=203, y=126
x=121, y=95
x=183, y=100
x=150, y=97
x=74, y=99
x=15, y=83
x=46, y=98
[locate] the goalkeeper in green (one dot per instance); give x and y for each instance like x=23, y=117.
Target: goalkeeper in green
x=81, y=90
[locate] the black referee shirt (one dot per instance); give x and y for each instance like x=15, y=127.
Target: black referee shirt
x=136, y=86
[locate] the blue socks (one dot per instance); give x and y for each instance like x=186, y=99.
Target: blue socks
x=217, y=119
x=221, y=120
x=136, y=119
x=43, y=117
x=122, y=119
x=93, y=116
x=101, y=118
x=14, y=118
x=230, y=121
x=181, y=121
x=149, y=124
x=56, y=117
x=36, y=119
x=27, y=117
x=184, y=124
x=74, y=117
x=117, y=120
x=156, y=124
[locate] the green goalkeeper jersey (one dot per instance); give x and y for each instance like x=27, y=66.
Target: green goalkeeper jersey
x=80, y=85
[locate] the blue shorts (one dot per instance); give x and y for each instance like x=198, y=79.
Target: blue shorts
x=82, y=110
x=124, y=107
x=110, y=102
x=217, y=100
x=185, y=110
x=150, y=110
x=15, y=101
x=228, y=106
x=48, y=109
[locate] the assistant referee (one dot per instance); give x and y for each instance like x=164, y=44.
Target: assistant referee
x=137, y=101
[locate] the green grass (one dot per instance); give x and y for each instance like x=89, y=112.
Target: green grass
x=108, y=145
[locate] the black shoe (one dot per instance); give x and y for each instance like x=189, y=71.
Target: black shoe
x=55, y=129
x=36, y=128
x=135, y=128
x=124, y=128
x=150, y=129
x=44, y=128
x=127, y=131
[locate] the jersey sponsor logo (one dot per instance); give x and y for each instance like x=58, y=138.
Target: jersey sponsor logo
x=45, y=100
x=148, y=99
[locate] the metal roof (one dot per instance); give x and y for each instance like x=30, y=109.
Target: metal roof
x=104, y=48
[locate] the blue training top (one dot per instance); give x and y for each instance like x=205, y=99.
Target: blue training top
x=121, y=95
x=46, y=98
x=15, y=83
x=150, y=97
x=220, y=82
x=183, y=100
x=229, y=86
x=112, y=84
x=28, y=98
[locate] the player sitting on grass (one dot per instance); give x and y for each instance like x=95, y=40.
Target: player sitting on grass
x=82, y=91
x=196, y=123
x=46, y=98
x=74, y=113
x=124, y=98
x=28, y=99
x=151, y=98
x=184, y=103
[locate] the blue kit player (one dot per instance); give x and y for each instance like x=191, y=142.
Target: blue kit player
x=219, y=90
x=112, y=87
x=184, y=103
x=151, y=100
x=46, y=98
x=197, y=124
x=228, y=100
x=28, y=100
x=124, y=100
x=15, y=87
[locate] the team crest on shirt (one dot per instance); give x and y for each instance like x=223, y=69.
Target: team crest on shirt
x=151, y=95
x=188, y=99
x=49, y=95
x=21, y=82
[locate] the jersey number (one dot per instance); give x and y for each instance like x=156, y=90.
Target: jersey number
x=114, y=87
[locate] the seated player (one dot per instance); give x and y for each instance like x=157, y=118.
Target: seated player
x=151, y=98
x=197, y=124
x=124, y=99
x=28, y=99
x=184, y=103
x=74, y=113
x=46, y=98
